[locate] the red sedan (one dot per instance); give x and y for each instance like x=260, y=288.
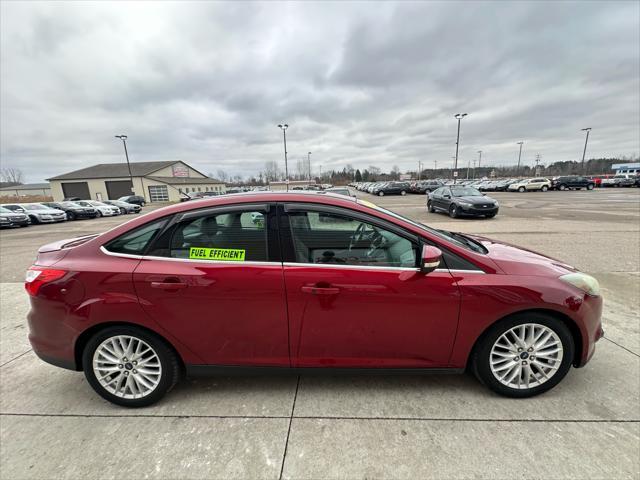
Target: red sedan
x=303, y=281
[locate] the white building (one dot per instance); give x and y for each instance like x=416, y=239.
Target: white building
x=26, y=189
x=155, y=181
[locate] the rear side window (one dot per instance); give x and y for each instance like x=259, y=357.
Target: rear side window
x=136, y=241
x=231, y=236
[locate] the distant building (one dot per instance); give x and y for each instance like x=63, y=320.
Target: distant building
x=626, y=168
x=26, y=189
x=154, y=181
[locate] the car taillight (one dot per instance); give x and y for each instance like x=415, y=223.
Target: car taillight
x=38, y=276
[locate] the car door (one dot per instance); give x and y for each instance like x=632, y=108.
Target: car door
x=214, y=280
x=355, y=296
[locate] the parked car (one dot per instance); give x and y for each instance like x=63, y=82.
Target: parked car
x=572, y=182
x=38, y=213
x=73, y=210
x=124, y=206
x=71, y=199
x=619, y=181
x=391, y=188
x=459, y=201
x=340, y=190
x=531, y=184
x=135, y=199
x=298, y=290
x=425, y=186
x=9, y=218
x=102, y=209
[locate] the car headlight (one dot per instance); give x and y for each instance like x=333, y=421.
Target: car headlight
x=466, y=204
x=584, y=282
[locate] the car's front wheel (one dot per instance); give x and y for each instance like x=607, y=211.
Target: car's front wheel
x=453, y=211
x=545, y=188
x=521, y=189
x=129, y=366
x=524, y=355
x=381, y=194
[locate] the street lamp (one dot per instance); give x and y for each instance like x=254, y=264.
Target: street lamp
x=458, y=116
x=588, y=129
x=284, y=127
x=309, y=164
x=126, y=154
x=519, y=157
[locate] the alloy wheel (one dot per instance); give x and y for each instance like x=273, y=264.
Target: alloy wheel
x=526, y=356
x=127, y=367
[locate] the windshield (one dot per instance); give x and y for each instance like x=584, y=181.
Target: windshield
x=455, y=238
x=5, y=210
x=70, y=204
x=465, y=192
x=35, y=206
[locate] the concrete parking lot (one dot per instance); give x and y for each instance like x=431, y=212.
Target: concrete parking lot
x=52, y=425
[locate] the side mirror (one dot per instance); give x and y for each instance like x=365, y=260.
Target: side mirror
x=446, y=196
x=430, y=259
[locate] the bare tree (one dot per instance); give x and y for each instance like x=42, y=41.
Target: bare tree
x=270, y=171
x=222, y=175
x=12, y=175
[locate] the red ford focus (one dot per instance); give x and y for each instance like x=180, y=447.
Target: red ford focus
x=303, y=281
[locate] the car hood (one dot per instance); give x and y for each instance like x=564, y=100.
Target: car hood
x=48, y=211
x=514, y=260
x=475, y=200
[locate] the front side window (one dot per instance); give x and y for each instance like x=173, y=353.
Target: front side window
x=135, y=242
x=232, y=236
x=328, y=238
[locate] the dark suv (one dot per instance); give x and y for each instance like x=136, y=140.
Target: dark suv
x=392, y=188
x=425, y=186
x=572, y=183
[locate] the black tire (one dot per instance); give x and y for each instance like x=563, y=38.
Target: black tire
x=481, y=353
x=142, y=204
x=453, y=211
x=562, y=187
x=522, y=189
x=381, y=194
x=99, y=213
x=545, y=188
x=168, y=361
x=430, y=208
x=123, y=211
x=34, y=220
x=590, y=186
x=403, y=193
x=71, y=216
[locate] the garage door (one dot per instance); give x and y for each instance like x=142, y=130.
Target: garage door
x=158, y=193
x=118, y=188
x=76, y=189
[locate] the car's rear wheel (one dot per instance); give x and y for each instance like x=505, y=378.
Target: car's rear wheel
x=129, y=366
x=521, y=189
x=34, y=219
x=71, y=216
x=524, y=355
x=453, y=211
x=123, y=211
x=590, y=186
x=430, y=208
x=381, y=194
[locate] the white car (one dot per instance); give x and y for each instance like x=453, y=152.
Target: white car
x=531, y=184
x=38, y=213
x=103, y=209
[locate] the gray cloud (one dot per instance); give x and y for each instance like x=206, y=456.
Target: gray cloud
x=359, y=83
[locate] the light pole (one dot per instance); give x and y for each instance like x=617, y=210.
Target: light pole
x=519, y=157
x=309, y=165
x=126, y=154
x=458, y=116
x=479, y=159
x=588, y=129
x=419, y=169
x=284, y=127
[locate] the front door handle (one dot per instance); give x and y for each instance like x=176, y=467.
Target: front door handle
x=169, y=285
x=320, y=290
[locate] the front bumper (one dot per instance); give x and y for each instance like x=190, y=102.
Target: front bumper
x=478, y=210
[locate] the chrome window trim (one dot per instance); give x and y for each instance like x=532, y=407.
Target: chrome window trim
x=351, y=267
x=123, y=255
x=214, y=262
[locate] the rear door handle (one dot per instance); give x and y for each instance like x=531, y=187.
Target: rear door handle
x=320, y=290
x=169, y=285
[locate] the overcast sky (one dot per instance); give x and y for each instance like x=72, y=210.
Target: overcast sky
x=361, y=83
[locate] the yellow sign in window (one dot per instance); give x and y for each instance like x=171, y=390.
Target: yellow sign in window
x=228, y=254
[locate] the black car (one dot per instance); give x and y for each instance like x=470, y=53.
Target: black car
x=135, y=199
x=9, y=218
x=460, y=201
x=391, y=188
x=425, y=186
x=572, y=182
x=73, y=210
x=124, y=206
